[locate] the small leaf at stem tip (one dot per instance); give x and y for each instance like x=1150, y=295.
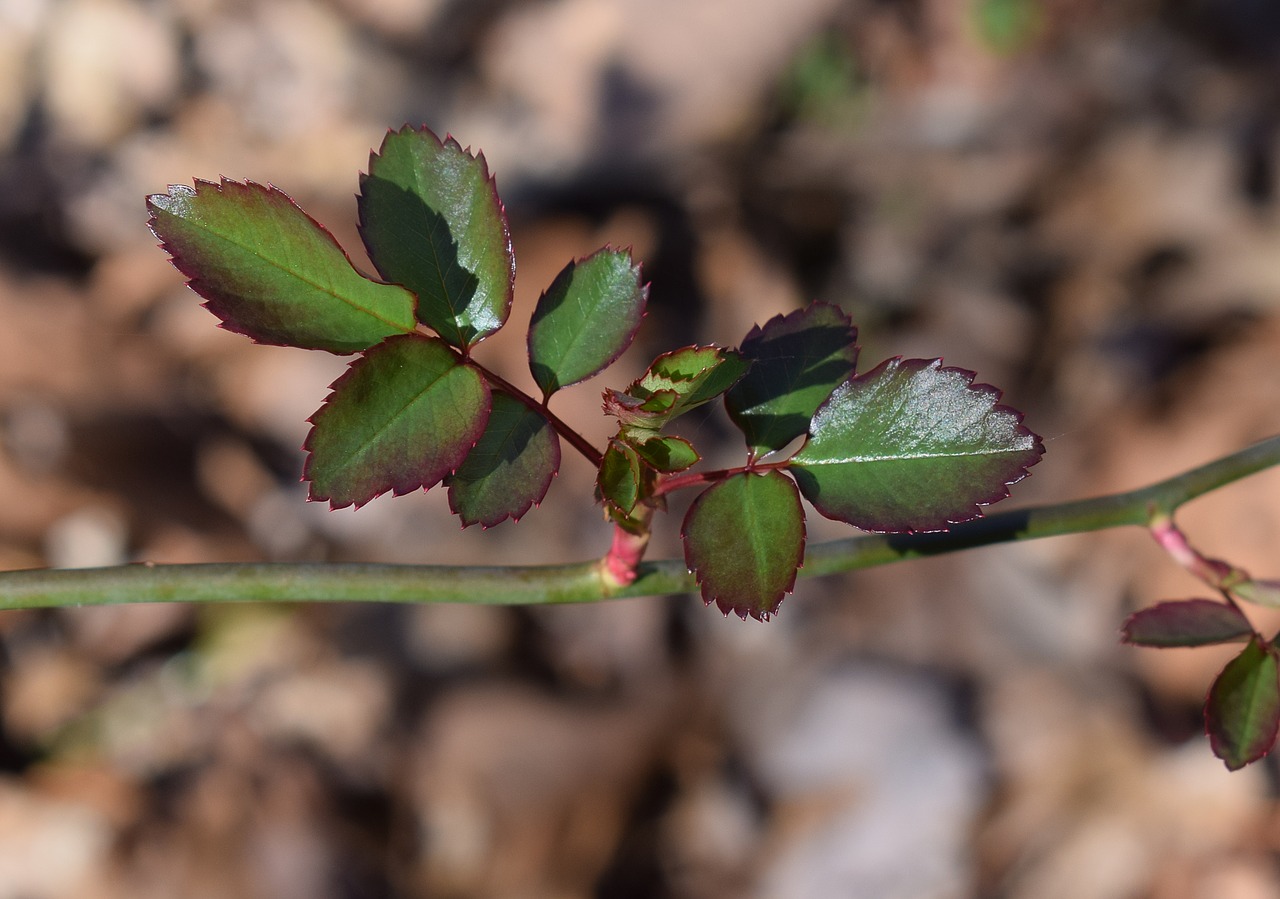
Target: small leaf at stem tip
x=1191, y=622
x=431, y=220
x=1242, y=712
x=509, y=469
x=271, y=272
x=912, y=446
x=675, y=383
x=744, y=541
x=586, y=318
x=619, y=479
x=1258, y=592
x=404, y=415
x=667, y=455
x=796, y=361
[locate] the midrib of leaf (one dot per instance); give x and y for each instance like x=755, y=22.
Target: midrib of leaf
x=1258, y=685
x=902, y=457
x=305, y=280
x=386, y=426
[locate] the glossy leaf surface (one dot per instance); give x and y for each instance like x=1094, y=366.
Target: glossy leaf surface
x=1190, y=622
x=912, y=446
x=619, y=478
x=667, y=454
x=796, y=361
x=271, y=272
x=404, y=415
x=1242, y=713
x=431, y=220
x=586, y=318
x=510, y=468
x=744, y=540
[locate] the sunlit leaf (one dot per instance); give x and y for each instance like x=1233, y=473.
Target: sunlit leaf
x=744, y=540
x=511, y=467
x=675, y=383
x=667, y=454
x=1191, y=622
x=586, y=318
x=912, y=446
x=796, y=361
x=404, y=415
x=271, y=272
x=1242, y=713
x=431, y=220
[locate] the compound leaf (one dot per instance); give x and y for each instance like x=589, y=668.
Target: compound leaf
x=796, y=361
x=744, y=540
x=270, y=271
x=1191, y=622
x=402, y=416
x=431, y=220
x=586, y=318
x=509, y=469
x=1242, y=713
x=912, y=446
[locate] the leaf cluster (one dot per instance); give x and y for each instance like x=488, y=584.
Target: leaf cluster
x=909, y=445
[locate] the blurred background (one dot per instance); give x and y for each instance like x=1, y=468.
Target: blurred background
x=1075, y=198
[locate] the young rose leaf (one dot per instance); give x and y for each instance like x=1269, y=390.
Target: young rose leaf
x=675, y=383
x=431, y=220
x=667, y=454
x=912, y=446
x=796, y=361
x=511, y=467
x=1258, y=592
x=619, y=479
x=1242, y=713
x=1192, y=622
x=270, y=271
x=404, y=415
x=744, y=540
x=584, y=321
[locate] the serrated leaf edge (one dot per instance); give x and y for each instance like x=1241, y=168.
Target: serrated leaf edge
x=202, y=287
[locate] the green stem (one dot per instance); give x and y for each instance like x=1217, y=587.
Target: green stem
x=585, y=581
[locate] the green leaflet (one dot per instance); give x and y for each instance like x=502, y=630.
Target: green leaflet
x=511, y=467
x=431, y=220
x=744, y=539
x=1242, y=713
x=585, y=319
x=912, y=446
x=796, y=361
x=271, y=272
x=404, y=415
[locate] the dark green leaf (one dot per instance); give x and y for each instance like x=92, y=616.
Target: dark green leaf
x=511, y=467
x=404, y=415
x=431, y=220
x=912, y=446
x=1242, y=713
x=271, y=272
x=744, y=540
x=796, y=361
x=619, y=479
x=667, y=454
x=1191, y=622
x=584, y=321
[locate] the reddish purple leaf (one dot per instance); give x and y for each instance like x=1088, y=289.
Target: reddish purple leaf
x=1191, y=622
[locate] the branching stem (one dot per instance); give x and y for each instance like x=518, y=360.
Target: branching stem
x=585, y=581
x=572, y=437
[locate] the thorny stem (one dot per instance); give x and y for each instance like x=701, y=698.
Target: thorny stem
x=584, y=581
